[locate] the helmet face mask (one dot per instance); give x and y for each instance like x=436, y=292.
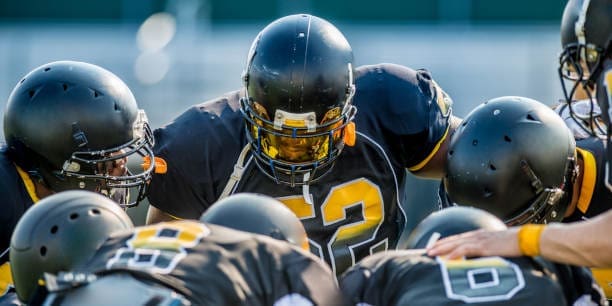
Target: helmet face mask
x=299, y=88
x=68, y=124
x=585, y=38
x=292, y=146
x=91, y=170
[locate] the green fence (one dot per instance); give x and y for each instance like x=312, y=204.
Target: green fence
x=428, y=11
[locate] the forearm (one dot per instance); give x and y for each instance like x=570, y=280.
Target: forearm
x=586, y=243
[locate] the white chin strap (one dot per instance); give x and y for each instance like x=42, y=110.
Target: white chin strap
x=306, y=189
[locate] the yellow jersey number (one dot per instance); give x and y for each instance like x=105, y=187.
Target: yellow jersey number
x=158, y=248
x=356, y=193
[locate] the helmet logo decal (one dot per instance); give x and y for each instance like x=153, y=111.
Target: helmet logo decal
x=78, y=136
x=282, y=118
x=579, y=26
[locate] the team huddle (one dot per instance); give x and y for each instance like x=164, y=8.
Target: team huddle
x=288, y=191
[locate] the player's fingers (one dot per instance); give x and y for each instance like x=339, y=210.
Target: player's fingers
x=443, y=247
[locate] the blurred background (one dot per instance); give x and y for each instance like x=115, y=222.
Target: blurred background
x=176, y=53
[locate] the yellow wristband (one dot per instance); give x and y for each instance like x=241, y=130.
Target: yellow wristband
x=529, y=239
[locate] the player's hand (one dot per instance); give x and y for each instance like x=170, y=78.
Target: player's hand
x=478, y=243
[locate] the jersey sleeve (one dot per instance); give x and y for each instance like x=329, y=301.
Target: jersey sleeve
x=199, y=147
x=404, y=109
x=15, y=201
x=604, y=99
x=579, y=286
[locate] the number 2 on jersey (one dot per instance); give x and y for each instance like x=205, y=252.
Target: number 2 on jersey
x=356, y=193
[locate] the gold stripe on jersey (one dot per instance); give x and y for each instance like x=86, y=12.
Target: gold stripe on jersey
x=604, y=279
x=28, y=184
x=433, y=152
x=589, y=177
x=608, y=85
x=6, y=278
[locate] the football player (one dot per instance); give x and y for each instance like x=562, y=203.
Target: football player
x=201, y=262
x=408, y=277
x=586, y=32
x=69, y=125
x=516, y=158
x=329, y=140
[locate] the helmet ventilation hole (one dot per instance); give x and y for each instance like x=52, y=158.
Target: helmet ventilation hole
x=22, y=80
x=31, y=93
x=475, y=142
x=96, y=94
x=487, y=192
x=116, y=107
x=492, y=167
x=95, y=211
x=74, y=216
x=530, y=117
x=47, y=69
x=54, y=229
x=450, y=153
x=43, y=251
x=65, y=86
x=507, y=139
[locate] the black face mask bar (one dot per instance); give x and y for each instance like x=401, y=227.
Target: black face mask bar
x=83, y=168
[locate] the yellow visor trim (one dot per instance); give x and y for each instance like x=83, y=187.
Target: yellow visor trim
x=27, y=181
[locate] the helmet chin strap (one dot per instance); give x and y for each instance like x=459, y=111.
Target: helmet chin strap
x=306, y=189
x=236, y=174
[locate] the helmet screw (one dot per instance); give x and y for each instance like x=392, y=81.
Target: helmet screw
x=82, y=185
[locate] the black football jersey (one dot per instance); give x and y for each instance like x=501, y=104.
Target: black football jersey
x=15, y=200
x=214, y=265
x=604, y=99
x=404, y=278
x=402, y=117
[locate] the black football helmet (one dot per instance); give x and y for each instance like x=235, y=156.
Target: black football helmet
x=451, y=221
x=77, y=289
x=66, y=122
x=586, y=33
x=513, y=157
x=299, y=87
x=59, y=233
x=259, y=214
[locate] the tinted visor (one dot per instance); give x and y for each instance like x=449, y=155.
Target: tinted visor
x=296, y=138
